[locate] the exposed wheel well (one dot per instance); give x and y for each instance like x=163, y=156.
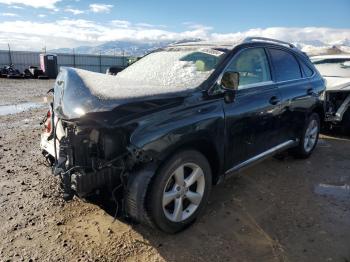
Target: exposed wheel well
x=319, y=110
x=204, y=147
x=321, y=113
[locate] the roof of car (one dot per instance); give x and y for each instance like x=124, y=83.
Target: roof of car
x=210, y=44
x=230, y=44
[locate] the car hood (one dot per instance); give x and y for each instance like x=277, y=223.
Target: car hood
x=74, y=96
x=337, y=84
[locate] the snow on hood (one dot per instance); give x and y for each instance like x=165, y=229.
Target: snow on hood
x=114, y=87
x=73, y=97
x=337, y=83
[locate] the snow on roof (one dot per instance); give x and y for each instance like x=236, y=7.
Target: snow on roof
x=213, y=44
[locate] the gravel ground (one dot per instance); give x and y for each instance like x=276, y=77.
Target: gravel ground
x=279, y=210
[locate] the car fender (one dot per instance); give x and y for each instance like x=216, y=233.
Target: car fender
x=159, y=135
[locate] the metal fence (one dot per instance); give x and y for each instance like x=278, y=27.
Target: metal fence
x=96, y=63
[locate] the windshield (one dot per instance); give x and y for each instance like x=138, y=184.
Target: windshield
x=334, y=67
x=174, y=67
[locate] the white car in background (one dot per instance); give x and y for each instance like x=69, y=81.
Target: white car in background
x=335, y=69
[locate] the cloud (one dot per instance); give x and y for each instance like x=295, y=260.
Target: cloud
x=120, y=23
x=291, y=34
x=42, y=15
x=149, y=25
x=9, y=14
x=192, y=25
x=33, y=35
x=74, y=11
x=16, y=7
x=144, y=25
x=100, y=8
x=49, y=4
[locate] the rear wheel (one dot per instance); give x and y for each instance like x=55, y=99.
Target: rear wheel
x=179, y=191
x=346, y=122
x=309, y=138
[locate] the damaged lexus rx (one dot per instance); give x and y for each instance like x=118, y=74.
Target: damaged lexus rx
x=160, y=133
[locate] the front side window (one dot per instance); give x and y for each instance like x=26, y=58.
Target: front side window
x=252, y=66
x=285, y=64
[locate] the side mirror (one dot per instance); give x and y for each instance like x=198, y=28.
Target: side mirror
x=230, y=82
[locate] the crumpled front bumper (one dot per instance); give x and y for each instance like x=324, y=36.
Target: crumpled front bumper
x=47, y=146
x=82, y=169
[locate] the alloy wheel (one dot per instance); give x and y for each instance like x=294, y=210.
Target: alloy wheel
x=183, y=192
x=311, y=135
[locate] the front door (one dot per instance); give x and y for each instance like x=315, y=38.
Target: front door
x=252, y=122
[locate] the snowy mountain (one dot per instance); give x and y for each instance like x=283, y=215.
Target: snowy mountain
x=314, y=47
x=324, y=49
x=115, y=48
x=121, y=47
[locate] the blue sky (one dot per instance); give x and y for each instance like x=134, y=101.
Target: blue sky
x=66, y=23
x=231, y=15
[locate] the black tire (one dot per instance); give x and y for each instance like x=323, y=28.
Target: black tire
x=300, y=151
x=346, y=122
x=154, y=203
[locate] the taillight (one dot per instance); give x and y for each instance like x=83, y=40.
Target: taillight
x=48, y=124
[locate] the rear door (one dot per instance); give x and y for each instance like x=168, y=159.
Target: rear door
x=295, y=89
x=252, y=120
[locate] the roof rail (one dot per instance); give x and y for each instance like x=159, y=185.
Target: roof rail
x=250, y=39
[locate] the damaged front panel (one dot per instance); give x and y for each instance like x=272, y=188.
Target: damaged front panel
x=90, y=159
x=337, y=104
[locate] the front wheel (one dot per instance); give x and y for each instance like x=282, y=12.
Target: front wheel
x=309, y=137
x=179, y=191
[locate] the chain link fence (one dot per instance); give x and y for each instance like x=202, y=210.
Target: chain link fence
x=95, y=63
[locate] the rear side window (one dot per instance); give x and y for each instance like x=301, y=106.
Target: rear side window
x=285, y=65
x=307, y=70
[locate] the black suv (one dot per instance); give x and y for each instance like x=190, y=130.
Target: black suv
x=158, y=135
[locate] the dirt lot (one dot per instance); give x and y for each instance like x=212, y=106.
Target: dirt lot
x=289, y=210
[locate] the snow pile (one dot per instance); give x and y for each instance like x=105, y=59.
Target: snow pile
x=158, y=73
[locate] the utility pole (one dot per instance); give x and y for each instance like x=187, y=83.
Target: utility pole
x=123, y=58
x=10, y=58
x=74, y=58
x=115, y=56
x=100, y=61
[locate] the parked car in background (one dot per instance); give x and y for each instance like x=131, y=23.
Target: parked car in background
x=164, y=130
x=336, y=71
x=114, y=70
x=10, y=71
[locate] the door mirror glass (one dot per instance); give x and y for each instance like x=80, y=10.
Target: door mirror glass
x=230, y=80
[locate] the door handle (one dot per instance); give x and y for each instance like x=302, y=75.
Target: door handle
x=274, y=100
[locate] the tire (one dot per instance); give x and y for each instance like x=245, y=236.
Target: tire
x=346, y=122
x=309, y=137
x=171, y=206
